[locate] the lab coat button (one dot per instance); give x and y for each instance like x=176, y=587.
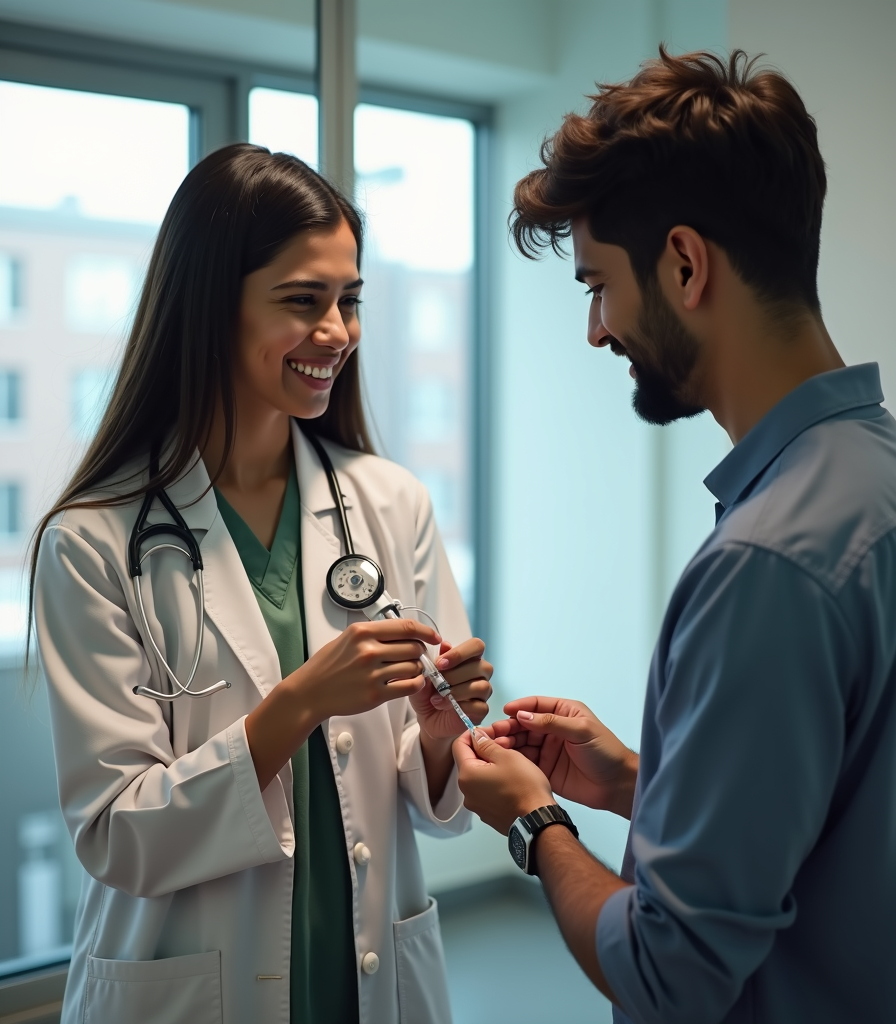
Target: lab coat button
x=371, y=963
x=344, y=742
x=361, y=854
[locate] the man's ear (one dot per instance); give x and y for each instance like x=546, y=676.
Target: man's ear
x=687, y=257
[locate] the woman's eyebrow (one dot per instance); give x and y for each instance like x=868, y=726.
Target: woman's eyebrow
x=317, y=286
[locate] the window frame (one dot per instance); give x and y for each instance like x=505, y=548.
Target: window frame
x=216, y=90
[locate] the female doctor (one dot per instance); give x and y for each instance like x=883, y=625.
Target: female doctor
x=250, y=853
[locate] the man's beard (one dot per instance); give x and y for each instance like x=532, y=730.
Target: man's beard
x=661, y=392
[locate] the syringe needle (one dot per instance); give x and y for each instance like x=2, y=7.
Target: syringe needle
x=443, y=688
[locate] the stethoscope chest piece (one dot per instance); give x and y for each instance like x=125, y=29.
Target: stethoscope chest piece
x=355, y=582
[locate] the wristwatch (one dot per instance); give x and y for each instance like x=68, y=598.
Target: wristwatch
x=524, y=830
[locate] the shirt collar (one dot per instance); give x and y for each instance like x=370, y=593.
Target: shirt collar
x=816, y=399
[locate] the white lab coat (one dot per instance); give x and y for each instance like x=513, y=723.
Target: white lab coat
x=185, y=910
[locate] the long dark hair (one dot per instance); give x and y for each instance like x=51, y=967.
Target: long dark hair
x=233, y=214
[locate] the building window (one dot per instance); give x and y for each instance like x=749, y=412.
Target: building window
x=11, y=297
x=100, y=293
x=91, y=389
x=10, y=511
x=10, y=397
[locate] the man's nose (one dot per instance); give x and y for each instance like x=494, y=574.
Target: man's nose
x=598, y=335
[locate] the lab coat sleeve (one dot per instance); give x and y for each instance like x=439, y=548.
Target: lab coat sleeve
x=437, y=594
x=142, y=820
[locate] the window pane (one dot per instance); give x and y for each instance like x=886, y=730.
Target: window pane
x=79, y=208
x=415, y=176
x=284, y=122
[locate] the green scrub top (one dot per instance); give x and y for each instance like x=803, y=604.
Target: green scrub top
x=323, y=977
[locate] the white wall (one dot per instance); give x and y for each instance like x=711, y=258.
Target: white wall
x=840, y=56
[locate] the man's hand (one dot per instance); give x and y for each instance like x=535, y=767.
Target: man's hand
x=499, y=785
x=581, y=758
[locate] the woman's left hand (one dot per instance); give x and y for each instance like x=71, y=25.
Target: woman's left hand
x=469, y=675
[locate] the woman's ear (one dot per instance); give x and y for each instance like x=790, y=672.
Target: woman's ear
x=687, y=257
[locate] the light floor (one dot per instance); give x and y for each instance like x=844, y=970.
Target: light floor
x=508, y=963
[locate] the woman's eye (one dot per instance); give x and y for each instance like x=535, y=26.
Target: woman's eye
x=350, y=302
x=596, y=292
x=300, y=300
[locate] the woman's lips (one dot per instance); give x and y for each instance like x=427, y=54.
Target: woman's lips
x=316, y=376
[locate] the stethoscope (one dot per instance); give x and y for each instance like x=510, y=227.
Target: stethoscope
x=354, y=582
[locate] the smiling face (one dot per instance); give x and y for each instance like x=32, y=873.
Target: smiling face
x=640, y=325
x=298, y=324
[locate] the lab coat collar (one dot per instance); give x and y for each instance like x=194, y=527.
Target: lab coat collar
x=195, y=499
x=314, y=488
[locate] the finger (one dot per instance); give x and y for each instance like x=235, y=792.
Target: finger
x=397, y=650
x=488, y=750
x=468, y=671
x=401, y=629
x=506, y=726
x=479, y=689
x=541, y=704
x=397, y=671
x=396, y=688
x=462, y=749
x=473, y=648
x=574, y=730
x=475, y=709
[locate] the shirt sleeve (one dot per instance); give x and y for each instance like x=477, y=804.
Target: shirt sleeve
x=142, y=820
x=751, y=725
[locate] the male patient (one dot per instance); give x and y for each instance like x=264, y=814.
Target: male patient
x=759, y=880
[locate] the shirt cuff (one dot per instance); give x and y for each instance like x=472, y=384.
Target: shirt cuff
x=613, y=940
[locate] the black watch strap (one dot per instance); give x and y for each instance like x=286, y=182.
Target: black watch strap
x=538, y=820
x=526, y=829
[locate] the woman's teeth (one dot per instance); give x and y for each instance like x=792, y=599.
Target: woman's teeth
x=324, y=372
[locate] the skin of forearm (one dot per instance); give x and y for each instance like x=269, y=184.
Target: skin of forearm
x=438, y=762
x=626, y=789
x=277, y=728
x=577, y=886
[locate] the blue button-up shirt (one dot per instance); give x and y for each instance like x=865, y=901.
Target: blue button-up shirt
x=763, y=839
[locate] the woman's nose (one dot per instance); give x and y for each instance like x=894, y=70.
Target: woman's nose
x=331, y=329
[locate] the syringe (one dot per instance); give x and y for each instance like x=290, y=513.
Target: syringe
x=439, y=682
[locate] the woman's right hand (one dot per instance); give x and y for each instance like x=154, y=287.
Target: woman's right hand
x=366, y=665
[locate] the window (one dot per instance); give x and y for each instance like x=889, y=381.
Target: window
x=284, y=122
x=11, y=299
x=83, y=226
x=415, y=182
x=10, y=397
x=100, y=292
x=91, y=390
x=10, y=511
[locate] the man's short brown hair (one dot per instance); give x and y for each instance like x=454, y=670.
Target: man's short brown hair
x=724, y=148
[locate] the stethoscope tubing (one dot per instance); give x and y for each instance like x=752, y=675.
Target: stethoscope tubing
x=180, y=688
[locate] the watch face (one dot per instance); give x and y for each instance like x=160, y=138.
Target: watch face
x=517, y=846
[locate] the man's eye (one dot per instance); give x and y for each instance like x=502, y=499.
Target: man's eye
x=596, y=292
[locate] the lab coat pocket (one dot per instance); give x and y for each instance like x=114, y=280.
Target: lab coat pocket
x=177, y=990
x=420, y=961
